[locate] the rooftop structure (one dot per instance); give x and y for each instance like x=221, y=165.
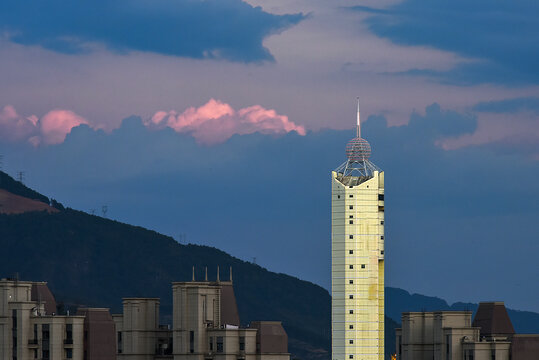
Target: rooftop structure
x=451, y=335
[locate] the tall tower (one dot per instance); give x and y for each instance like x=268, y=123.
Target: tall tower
x=357, y=255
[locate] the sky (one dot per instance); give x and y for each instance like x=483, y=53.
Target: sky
x=218, y=122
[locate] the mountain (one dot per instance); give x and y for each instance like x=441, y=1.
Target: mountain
x=399, y=301
x=93, y=261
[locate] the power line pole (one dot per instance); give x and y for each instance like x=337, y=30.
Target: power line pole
x=20, y=176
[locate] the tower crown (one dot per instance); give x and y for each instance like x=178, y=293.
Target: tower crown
x=357, y=168
x=358, y=149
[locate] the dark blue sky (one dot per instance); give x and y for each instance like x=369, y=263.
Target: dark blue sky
x=460, y=223
x=246, y=106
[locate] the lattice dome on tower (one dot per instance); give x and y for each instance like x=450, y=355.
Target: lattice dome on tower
x=358, y=149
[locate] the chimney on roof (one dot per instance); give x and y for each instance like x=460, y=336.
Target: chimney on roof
x=206, y=274
x=230, y=272
x=218, y=273
x=193, y=274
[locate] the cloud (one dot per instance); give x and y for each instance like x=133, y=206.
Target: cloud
x=509, y=105
x=52, y=128
x=221, y=29
x=215, y=122
x=268, y=196
x=501, y=36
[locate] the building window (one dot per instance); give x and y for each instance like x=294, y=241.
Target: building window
x=351, y=195
x=220, y=344
x=45, y=336
x=351, y=221
x=191, y=342
x=351, y=281
x=350, y=236
x=351, y=327
x=351, y=266
x=351, y=296
x=382, y=237
x=350, y=252
x=120, y=342
x=338, y=196
x=351, y=341
x=381, y=197
x=351, y=216
x=382, y=252
x=493, y=354
x=351, y=207
x=350, y=186
x=382, y=222
x=400, y=347
x=69, y=334
x=14, y=333
x=363, y=266
x=447, y=344
x=351, y=356
x=242, y=343
x=69, y=353
x=351, y=311
x=211, y=343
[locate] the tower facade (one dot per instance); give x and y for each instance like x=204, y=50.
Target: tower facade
x=357, y=245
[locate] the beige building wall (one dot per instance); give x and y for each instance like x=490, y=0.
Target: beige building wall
x=358, y=269
x=445, y=335
x=28, y=334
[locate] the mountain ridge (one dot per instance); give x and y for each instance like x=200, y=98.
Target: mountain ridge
x=91, y=260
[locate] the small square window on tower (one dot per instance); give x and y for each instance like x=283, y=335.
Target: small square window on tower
x=351, y=221
x=350, y=236
x=351, y=327
x=363, y=266
x=382, y=222
x=350, y=252
x=351, y=311
x=351, y=357
x=351, y=296
x=350, y=281
x=351, y=216
x=351, y=207
x=382, y=237
x=351, y=266
x=351, y=341
x=351, y=195
x=338, y=196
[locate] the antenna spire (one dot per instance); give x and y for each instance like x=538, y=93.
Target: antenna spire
x=358, y=129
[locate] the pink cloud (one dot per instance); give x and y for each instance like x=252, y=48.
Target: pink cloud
x=56, y=124
x=14, y=127
x=215, y=122
x=52, y=128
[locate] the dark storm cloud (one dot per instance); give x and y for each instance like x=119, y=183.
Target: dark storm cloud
x=268, y=197
x=223, y=29
x=509, y=105
x=501, y=35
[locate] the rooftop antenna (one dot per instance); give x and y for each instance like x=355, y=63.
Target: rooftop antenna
x=193, y=273
x=358, y=126
x=230, y=274
x=206, y=275
x=218, y=273
x=104, y=210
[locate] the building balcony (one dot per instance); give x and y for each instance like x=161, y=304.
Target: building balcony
x=32, y=343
